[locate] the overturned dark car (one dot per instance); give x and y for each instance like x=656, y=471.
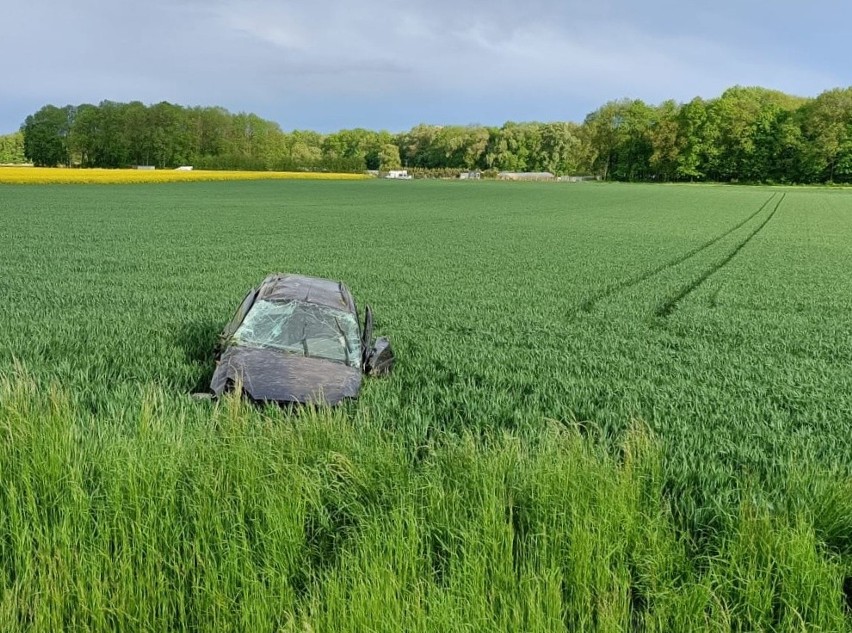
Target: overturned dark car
x=298, y=339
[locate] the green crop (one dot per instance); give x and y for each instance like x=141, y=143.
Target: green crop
x=615, y=407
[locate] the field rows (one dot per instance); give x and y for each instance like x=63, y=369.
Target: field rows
x=611, y=289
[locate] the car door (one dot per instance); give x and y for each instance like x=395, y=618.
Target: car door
x=366, y=336
x=238, y=318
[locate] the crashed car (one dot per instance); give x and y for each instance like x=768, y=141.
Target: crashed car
x=298, y=339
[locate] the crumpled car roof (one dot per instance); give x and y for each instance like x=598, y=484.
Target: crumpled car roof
x=287, y=287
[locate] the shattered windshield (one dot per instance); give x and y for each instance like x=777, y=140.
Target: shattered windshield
x=306, y=329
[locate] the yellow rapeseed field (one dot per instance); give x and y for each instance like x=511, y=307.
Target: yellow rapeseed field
x=50, y=175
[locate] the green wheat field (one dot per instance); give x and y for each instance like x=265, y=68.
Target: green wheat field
x=615, y=408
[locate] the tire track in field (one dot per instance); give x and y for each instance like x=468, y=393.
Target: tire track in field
x=589, y=304
x=667, y=307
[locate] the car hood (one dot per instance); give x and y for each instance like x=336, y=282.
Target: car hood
x=274, y=376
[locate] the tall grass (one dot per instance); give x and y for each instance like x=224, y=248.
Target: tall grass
x=175, y=516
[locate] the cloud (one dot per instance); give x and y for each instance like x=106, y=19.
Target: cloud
x=485, y=47
x=400, y=61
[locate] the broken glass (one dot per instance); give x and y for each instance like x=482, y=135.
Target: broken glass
x=306, y=329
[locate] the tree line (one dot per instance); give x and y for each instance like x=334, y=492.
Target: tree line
x=748, y=134
x=12, y=149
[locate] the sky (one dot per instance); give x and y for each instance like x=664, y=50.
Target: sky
x=327, y=65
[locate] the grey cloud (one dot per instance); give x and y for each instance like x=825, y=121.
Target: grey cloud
x=483, y=57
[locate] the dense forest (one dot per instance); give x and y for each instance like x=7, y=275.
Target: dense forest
x=747, y=134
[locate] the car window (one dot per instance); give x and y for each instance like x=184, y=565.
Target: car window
x=306, y=329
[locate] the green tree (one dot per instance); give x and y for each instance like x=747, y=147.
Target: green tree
x=46, y=136
x=302, y=149
x=748, y=120
x=619, y=132
x=788, y=143
x=389, y=157
x=418, y=147
x=663, y=136
x=357, y=147
x=559, y=151
x=458, y=147
x=207, y=129
x=827, y=130
x=696, y=140
x=605, y=134
x=168, y=134
x=83, y=136
x=113, y=146
x=12, y=148
x=136, y=134
x=516, y=147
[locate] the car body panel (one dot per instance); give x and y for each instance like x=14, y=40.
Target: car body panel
x=283, y=287
x=273, y=376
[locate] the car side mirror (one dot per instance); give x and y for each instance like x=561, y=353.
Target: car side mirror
x=380, y=358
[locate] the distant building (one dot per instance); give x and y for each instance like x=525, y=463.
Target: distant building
x=398, y=174
x=525, y=175
x=470, y=175
x=577, y=178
